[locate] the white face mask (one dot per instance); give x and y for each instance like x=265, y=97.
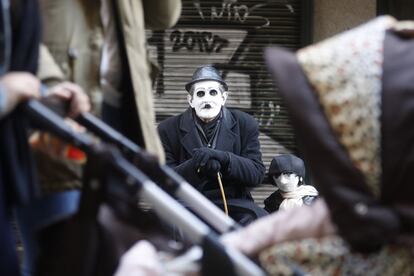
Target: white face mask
x=287, y=182
x=207, y=99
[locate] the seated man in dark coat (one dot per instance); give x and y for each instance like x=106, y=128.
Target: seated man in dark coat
x=209, y=142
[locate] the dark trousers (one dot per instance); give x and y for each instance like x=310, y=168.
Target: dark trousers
x=9, y=264
x=112, y=116
x=125, y=120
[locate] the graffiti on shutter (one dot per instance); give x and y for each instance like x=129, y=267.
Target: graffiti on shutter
x=231, y=35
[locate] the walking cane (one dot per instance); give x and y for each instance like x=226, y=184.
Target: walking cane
x=140, y=186
x=223, y=195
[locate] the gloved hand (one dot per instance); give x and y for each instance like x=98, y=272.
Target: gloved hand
x=203, y=155
x=211, y=168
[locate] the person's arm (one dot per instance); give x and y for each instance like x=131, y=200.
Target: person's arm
x=289, y=225
x=186, y=168
x=68, y=91
x=247, y=167
x=141, y=259
x=161, y=14
x=16, y=87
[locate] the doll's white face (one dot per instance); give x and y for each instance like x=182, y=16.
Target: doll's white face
x=287, y=182
x=207, y=99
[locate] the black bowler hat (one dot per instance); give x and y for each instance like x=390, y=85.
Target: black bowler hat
x=287, y=163
x=206, y=73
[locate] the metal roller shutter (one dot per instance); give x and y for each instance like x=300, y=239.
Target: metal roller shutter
x=231, y=35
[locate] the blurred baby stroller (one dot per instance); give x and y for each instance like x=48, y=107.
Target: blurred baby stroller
x=109, y=220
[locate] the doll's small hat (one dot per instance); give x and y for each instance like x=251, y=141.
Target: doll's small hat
x=287, y=163
x=204, y=73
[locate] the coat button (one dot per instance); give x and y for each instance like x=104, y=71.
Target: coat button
x=361, y=209
x=65, y=68
x=73, y=53
x=96, y=40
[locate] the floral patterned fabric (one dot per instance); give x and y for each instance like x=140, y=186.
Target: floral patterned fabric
x=331, y=256
x=345, y=72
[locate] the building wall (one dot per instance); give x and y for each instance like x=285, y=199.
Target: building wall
x=334, y=16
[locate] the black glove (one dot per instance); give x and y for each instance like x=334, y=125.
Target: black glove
x=202, y=155
x=211, y=168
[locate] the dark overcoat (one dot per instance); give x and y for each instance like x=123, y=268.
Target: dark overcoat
x=238, y=135
x=20, y=34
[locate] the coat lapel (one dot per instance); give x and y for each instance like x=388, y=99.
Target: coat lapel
x=227, y=136
x=190, y=139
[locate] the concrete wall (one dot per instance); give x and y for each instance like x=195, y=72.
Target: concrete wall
x=334, y=16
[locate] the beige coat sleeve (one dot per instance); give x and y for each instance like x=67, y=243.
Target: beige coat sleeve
x=161, y=14
x=294, y=224
x=48, y=71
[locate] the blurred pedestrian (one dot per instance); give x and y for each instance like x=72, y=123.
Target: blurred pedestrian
x=100, y=45
x=19, y=48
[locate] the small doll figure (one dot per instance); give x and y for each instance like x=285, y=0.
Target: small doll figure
x=287, y=172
